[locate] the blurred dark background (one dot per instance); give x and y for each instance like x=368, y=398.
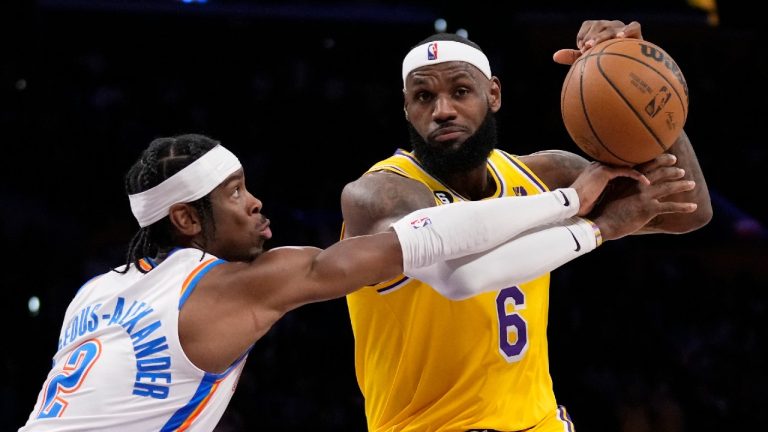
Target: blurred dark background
x=651, y=333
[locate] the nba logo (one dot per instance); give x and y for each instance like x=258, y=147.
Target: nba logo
x=421, y=222
x=432, y=51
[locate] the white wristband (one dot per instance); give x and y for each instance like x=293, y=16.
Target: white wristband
x=454, y=230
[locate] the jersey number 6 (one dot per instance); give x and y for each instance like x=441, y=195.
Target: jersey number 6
x=511, y=323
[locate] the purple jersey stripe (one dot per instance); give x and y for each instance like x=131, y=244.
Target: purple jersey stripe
x=394, y=285
x=562, y=414
x=499, y=178
x=517, y=165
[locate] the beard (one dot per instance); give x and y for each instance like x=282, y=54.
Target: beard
x=442, y=161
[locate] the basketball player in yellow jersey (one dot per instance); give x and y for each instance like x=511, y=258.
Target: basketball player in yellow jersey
x=427, y=363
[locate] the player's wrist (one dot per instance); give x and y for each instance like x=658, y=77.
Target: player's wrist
x=608, y=231
x=596, y=231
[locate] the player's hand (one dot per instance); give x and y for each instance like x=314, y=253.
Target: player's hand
x=592, y=181
x=661, y=168
x=593, y=32
x=629, y=206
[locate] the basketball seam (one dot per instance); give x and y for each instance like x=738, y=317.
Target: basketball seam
x=565, y=87
x=680, y=98
x=613, y=42
x=626, y=102
x=589, y=122
x=640, y=117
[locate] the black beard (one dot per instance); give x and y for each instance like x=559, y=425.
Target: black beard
x=443, y=163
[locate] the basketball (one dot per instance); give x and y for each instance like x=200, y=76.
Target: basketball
x=624, y=101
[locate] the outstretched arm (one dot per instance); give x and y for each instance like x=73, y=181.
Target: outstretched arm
x=285, y=278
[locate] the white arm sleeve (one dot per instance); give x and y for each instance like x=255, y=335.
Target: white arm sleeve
x=454, y=230
x=519, y=260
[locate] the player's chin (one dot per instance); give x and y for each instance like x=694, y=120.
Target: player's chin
x=448, y=144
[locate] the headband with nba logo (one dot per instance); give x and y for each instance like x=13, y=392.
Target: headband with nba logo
x=445, y=51
x=193, y=182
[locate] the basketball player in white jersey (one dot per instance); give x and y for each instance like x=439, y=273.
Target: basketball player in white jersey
x=158, y=344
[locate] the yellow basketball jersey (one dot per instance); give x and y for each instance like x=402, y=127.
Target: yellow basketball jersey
x=426, y=363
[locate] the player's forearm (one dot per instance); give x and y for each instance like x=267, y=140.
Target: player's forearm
x=521, y=259
x=451, y=231
x=685, y=222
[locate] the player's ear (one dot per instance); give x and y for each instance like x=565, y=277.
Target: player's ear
x=494, y=95
x=185, y=218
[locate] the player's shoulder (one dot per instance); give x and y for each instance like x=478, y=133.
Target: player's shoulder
x=372, y=202
x=556, y=168
x=382, y=184
x=554, y=157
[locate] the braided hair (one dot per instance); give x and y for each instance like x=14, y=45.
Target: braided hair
x=163, y=158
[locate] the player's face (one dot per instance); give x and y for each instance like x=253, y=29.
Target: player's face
x=450, y=110
x=241, y=229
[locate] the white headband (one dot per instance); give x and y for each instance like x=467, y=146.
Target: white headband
x=445, y=51
x=193, y=182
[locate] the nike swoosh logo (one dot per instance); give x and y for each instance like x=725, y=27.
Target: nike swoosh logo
x=566, y=203
x=578, y=245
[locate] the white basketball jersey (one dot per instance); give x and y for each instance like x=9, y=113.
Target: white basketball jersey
x=119, y=364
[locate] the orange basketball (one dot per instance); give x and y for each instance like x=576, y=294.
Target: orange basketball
x=624, y=102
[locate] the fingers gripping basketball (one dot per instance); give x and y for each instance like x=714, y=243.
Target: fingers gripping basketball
x=624, y=102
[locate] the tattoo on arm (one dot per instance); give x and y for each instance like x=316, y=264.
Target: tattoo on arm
x=375, y=200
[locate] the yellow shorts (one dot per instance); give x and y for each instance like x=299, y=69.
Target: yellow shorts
x=556, y=421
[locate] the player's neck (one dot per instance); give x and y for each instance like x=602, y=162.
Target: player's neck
x=475, y=184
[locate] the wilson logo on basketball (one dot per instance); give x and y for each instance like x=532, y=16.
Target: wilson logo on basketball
x=654, y=54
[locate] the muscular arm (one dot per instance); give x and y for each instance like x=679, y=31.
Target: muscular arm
x=556, y=168
x=375, y=200
x=235, y=304
x=678, y=222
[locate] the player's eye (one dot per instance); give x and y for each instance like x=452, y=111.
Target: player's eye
x=462, y=91
x=423, y=96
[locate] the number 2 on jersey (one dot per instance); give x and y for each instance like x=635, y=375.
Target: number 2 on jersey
x=511, y=323
x=76, y=368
